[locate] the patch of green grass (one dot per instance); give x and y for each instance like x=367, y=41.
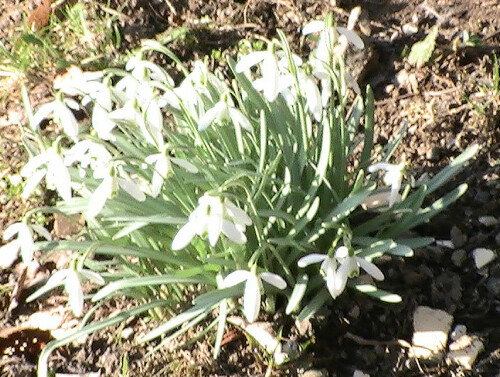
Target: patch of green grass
x=79, y=34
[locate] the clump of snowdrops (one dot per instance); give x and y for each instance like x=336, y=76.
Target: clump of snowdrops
x=202, y=192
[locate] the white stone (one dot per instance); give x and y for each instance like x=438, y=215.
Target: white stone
x=431, y=328
x=488, y=220
x=464, y=351
x=483, y=256
x=409, y=29
x=358, y=373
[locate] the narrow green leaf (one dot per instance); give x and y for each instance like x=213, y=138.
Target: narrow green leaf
x=313, y=306
x=297, y=294
x=373, y=291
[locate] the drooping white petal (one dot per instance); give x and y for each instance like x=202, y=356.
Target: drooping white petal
x=271, y=75
x=33, y=164
x=92, y=276
x=42, y=113
x=311, y=259
x=237, y=214
x=32, y=182
x=273, y=279
x=313, y=27
x=232, y=232
x=58, y=174
x=333, y=282
x=313, y=98
x=248, y=61
x=184, y=236
x=102, y=124
x=370, y=268
x=342, y=274
x=75, y=292
x=380, y=166
x=211, y=115
x=99, y=197
x=13, y=229
x=351, y=37
x=251, y=298
x=132, y=189
x=56, y=279
x=214, y=226
x=236, y=277
x=9, y=253
x=67, y=119
x=238, y=117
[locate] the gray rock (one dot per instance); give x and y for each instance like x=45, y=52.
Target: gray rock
x=493, y=286
x=458, y=238
x=458, y=257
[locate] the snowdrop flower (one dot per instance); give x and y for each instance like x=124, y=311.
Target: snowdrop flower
x=269, y=68
x=392, y=177
x=224, y=110
x=59, y=108
x=213, y=217
x=108, y=188
x=89, y=154
x=151, y=127
x=163, y=166
x=253, y=288
x=336, y=278
x=72, y=285
x=328, y=268
x=50, y=165
x=24, y=242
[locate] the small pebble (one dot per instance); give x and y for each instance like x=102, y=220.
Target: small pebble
x=488, y=220
x=458, y=257
x=457, y=237
x=358, y=373
x=482, y=257
x=493, y=286
x=458, y=332
x=433, y=154
x=315, y=373
x=409, y=29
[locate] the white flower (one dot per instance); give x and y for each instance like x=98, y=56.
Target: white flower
x=61, y=114
x=72, y=285
x=151, y=126
x=392, y=177
x=328, y=268
x=253, y=287
x=213, y=217
x=162, y=167
x=336, y=278
x=89, y=154
x=224, y=111
x=349, y=266
x=76, y=82
x=24, y=242
x=269, y=69
x=50, y=165
x=108, y=188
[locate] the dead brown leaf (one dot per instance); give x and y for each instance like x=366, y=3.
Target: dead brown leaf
x=39, y=17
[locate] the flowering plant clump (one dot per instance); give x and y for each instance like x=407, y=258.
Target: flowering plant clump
x=236, y=189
